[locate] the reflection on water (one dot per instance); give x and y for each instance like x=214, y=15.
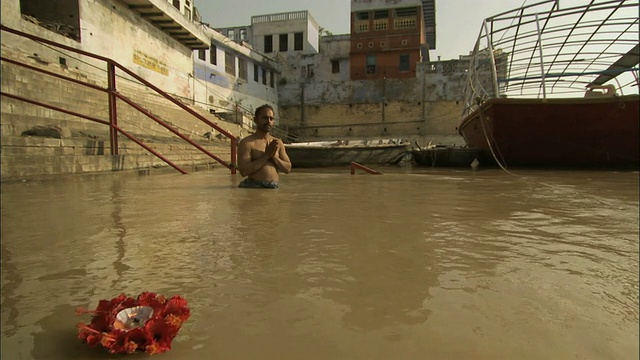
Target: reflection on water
x=413, y=264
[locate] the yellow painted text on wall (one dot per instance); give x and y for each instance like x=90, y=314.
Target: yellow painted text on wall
x=150, y=62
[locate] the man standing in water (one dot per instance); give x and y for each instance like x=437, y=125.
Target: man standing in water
x=261, y=157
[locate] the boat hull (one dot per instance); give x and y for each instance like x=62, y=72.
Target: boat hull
x=309, y=156
x=601, y=132
x=445, y=156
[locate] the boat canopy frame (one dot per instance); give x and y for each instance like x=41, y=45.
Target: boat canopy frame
x=542, y=50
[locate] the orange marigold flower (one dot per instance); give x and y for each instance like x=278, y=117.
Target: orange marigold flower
x=173, y=320
x=131, y=347
x=155, y=348
x=107, y=340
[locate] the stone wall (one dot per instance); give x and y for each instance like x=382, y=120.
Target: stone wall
x=81, y=145
x=397, y=119
x=428, y=107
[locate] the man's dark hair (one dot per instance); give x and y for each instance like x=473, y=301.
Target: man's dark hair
x=261, y=107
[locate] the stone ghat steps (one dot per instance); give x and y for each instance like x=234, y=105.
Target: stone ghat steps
x=64, y=94
x=79, y=145
x=29, y=156
x=18, y=116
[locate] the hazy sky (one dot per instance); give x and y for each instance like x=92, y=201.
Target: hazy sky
x=458, y=22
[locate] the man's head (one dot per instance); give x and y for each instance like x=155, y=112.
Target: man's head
x=264, y=118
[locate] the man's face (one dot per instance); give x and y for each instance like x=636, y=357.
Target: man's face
x=265, y=120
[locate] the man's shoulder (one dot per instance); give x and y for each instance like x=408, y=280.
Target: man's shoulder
x=247, y=139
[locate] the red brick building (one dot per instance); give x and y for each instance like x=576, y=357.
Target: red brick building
x=388, y=37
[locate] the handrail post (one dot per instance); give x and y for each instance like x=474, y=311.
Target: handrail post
x=113, y=110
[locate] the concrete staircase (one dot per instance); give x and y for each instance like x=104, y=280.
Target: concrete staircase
x=37, y=141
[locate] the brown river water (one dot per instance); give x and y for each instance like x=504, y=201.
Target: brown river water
x=417, y=263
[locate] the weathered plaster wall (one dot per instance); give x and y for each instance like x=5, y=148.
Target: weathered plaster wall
x=110, y=29
x=427, y=105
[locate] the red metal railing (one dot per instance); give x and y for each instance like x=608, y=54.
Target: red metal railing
x=114, y=95
x=355, y=165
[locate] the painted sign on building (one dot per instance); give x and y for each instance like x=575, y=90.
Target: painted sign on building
x=150, y=62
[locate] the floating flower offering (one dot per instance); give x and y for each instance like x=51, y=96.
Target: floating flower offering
x=124, y=324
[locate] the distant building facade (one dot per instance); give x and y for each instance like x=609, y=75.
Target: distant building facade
x=283, y=33
x=388, y=38
x=240, y=34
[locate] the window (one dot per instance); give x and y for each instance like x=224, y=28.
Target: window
x=176, y=4
x=335, y=66
x=406, y=12
x=231, y=34
x=202, y=54
x=59, y=16
x=243, y=34
x=268, y=43
x=264, y=76
x=242, y=68
x=381, y=14
x=230, y=63
x=362, y=15
x=283, y=42
x=310, y=71
x=380, y=19
x=213, y=55
x=371, y=64
x=272, y=79
x=256, y=73
x=297, y=41
x=361, y=23
x=405, y=18
x=404, y=63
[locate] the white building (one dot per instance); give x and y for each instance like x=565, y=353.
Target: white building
x=152, y=38
x=232, y=79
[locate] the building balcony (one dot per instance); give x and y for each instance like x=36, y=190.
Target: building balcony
x=170, y=20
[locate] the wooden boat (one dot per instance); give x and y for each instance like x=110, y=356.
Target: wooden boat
x=445, y=156
x=344, y=152
x=540, y=92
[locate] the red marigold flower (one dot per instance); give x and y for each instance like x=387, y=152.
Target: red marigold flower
x=93, y=339
x=146, y=297
x=178, y=306
x=140, y=336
